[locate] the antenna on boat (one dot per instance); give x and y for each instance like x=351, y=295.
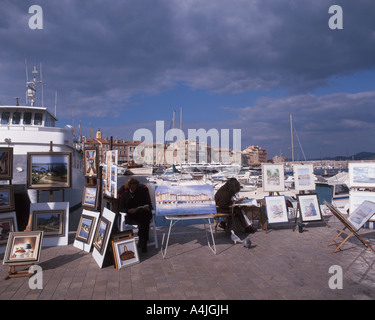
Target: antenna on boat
x=55, y=103
x=31, y=87
x=41, y=81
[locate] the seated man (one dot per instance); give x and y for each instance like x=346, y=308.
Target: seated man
x=136, y=202
x=224, y=199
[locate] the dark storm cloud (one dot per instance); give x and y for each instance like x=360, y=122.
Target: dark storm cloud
x=99, y=55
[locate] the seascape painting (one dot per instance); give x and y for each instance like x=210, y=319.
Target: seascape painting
x=362, y=214
x=101, y=234
x=303, y=177
x=84, y=230
x=185, y=200
x=90, y=197
x=362, y=174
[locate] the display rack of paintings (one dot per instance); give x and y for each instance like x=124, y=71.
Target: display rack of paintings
x=109, y=175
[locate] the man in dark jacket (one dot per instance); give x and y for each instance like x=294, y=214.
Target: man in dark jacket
x=136, y=202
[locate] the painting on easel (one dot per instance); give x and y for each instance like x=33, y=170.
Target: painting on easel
x=23, y=247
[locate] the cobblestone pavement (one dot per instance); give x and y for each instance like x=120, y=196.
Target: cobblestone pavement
x=281, y=264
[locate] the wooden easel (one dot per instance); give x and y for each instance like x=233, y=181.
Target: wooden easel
x=347, y=225
x=12, y=273
x=300, y=222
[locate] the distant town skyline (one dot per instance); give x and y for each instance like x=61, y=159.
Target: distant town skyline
x=241, y=64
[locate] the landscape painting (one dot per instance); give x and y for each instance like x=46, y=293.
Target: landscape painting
x=273, y=177
x=309, y=207
x=51, y=222
x=185, y=200
x=101, y=234
x=49, y=170
x=361, y=174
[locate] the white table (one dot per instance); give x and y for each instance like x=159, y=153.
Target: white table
x=176, y=218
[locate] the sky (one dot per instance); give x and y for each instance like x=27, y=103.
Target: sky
x=122, y=65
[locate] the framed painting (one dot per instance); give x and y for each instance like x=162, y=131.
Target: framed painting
x=49, y=170
x=85, y=230
x=356, y=198
x=53, y=219
x=109, y=174
x=51, y=222
x=276, y=209
x=90, y=162
x=304, y=177
x=90, y=197
x=101, y=234
x=309, y=207
x=8, y=223
x=273, y=177
x=6, y=198
x=23, y=247
x=362, y=214
x=185, y=200
x=125, y=252
x=6, y=163
x=361, y=174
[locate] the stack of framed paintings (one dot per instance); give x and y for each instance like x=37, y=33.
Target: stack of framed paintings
x=361, y=176
x=53, y=219
x=102, y=235
x=8, y=217
x=125, y=252
x=85, y=231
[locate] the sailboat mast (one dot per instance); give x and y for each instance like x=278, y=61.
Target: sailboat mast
x=291, y=134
